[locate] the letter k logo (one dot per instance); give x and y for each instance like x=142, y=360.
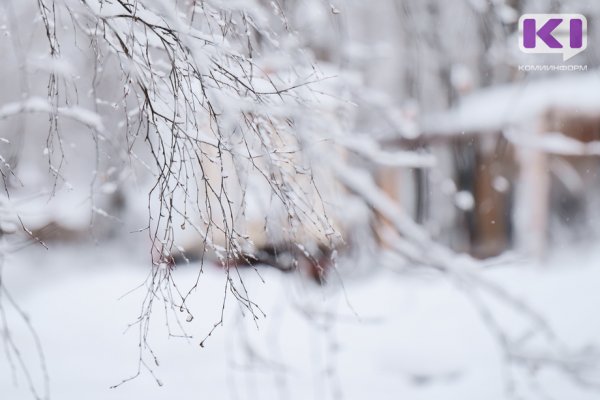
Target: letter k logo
x=545, y=33
x=564, y=34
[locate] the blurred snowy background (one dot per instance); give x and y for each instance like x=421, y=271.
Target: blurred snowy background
x=296, y=199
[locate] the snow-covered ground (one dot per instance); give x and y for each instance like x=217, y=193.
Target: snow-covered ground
x=388, y=335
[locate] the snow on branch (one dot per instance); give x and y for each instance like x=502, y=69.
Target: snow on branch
x=40, y=105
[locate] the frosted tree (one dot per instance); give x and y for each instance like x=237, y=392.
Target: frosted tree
x=208, y=102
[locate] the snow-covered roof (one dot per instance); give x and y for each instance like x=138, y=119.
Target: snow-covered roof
x=503, y=106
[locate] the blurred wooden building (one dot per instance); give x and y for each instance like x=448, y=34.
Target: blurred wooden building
x=518, y=167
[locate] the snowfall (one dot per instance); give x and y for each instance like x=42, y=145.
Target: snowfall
x=386, y=334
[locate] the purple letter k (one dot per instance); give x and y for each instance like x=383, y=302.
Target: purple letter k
x=545, y=33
